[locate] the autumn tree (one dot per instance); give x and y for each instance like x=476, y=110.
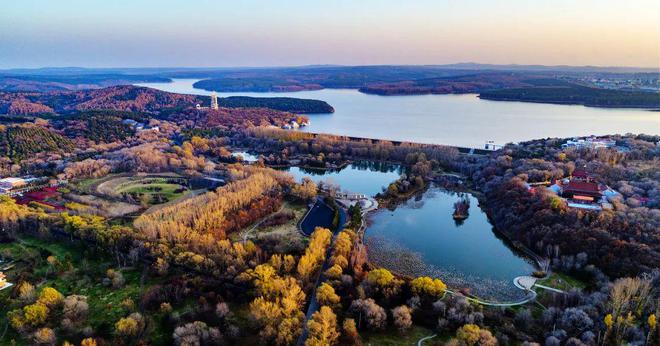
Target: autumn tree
x=402, y=318
x=350, y=335
x=322, y=328
x=325, y=295
x=427, y=287
x=306, y=190
x=314, y=255
x=471, y=335
x=129, y=327
x=44, y=336
x=277, y=308
x=50, y=297
x=369, y=314
x=381, y=282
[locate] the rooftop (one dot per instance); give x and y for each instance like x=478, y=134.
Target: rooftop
x=582, y=186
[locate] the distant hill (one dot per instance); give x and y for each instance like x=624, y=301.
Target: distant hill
x=576, y=94
x=121, y=98
x=69, y=79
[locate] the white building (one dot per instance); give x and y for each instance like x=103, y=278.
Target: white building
x=11, y=183
x=214, y=100
x=589, y=142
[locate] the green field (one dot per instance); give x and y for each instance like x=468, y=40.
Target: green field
x=562, y=281
x=155, y=191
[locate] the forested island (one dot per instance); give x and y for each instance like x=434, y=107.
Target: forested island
x=285, y=104
x=127, y=219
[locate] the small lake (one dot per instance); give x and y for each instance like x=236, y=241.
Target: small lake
x=420, y=237
x=461, y=120
x=364, y=177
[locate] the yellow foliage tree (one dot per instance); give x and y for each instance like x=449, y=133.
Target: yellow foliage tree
x=36, y=314
x=127, y=327
x=425, y=286
x=325, y=295
x=88, y=342
x=334, y=272
x=50, y=297
x=322, y=328
x=380, y=277
x=469, y=334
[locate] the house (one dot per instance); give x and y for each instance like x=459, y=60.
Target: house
x=586, y=191
x=490, y=145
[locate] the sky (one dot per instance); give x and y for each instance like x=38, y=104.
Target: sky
x=218, y=33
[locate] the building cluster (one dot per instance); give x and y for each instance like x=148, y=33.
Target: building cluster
x=590, y=143
x=138, y=126
x=16, y=186
x=581, y=190
x=642, y=84
x=294, y=125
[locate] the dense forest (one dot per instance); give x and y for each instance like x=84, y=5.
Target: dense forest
x=23, y=141
x=284, y=104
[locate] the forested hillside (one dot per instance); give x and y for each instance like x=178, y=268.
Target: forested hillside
x=20, y=142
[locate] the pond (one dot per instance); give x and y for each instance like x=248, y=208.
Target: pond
x=421, y=238
x=364, y=177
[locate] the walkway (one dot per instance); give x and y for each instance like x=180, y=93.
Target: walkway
x=421, y=341
x=258, y=223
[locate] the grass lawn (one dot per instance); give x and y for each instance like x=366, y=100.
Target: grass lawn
x=288, y=230
x=156, y=190
x=168, y=192
x=392, y=337
x=562, y=281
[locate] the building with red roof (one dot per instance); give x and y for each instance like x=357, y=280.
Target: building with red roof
x=582, y=190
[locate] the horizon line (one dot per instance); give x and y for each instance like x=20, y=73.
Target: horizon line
x=456, y=64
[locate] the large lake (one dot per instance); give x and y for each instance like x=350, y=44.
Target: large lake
x=462, y=120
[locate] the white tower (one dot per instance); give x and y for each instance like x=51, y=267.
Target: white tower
x=214, y=100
